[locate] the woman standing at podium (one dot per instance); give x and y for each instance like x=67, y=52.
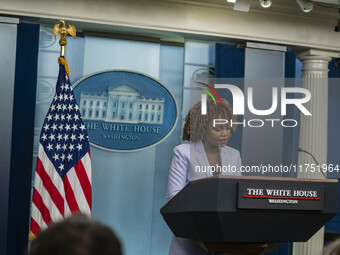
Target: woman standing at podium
x=206, y=154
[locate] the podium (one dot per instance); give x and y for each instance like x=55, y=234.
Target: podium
x=248, y=215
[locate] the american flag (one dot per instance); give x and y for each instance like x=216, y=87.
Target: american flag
x=62, y=183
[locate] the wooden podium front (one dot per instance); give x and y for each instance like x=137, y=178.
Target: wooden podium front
x=248, y=215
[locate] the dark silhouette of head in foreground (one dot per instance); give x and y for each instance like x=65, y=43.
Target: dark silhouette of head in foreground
x=76, y=235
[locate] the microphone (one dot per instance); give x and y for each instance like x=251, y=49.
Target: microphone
x=301, y=150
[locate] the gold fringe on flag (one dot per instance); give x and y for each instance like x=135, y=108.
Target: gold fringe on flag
x=32, y=236
x=63, y=61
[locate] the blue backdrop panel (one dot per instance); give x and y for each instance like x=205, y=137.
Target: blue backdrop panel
x=333, y=117
x=123, y=182
x=264, y=69
x=8, y=34
x=129, y=187
x=22, y=137
x=290, y=135
x=333, y=149
x=290, y=64
x=171, y=63
x=230, y=63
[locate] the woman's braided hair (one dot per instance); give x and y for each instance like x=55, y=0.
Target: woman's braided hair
x=196, y=123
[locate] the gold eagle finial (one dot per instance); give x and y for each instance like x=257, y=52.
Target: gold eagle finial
x=64, y=30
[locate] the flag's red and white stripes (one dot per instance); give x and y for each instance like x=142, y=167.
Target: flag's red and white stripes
x=54, y=198
x=62, y=183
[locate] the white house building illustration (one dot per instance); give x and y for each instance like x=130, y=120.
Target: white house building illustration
x=122, y=104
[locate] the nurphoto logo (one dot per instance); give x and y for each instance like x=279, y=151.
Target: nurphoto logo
x=239, y=104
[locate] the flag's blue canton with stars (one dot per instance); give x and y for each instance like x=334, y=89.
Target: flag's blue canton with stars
x=63, y=135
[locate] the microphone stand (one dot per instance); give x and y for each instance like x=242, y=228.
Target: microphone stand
x=301, y=150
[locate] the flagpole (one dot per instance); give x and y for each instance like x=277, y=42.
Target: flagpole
x=64, y=30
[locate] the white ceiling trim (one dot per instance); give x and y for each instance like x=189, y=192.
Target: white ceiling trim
x=202, y=17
